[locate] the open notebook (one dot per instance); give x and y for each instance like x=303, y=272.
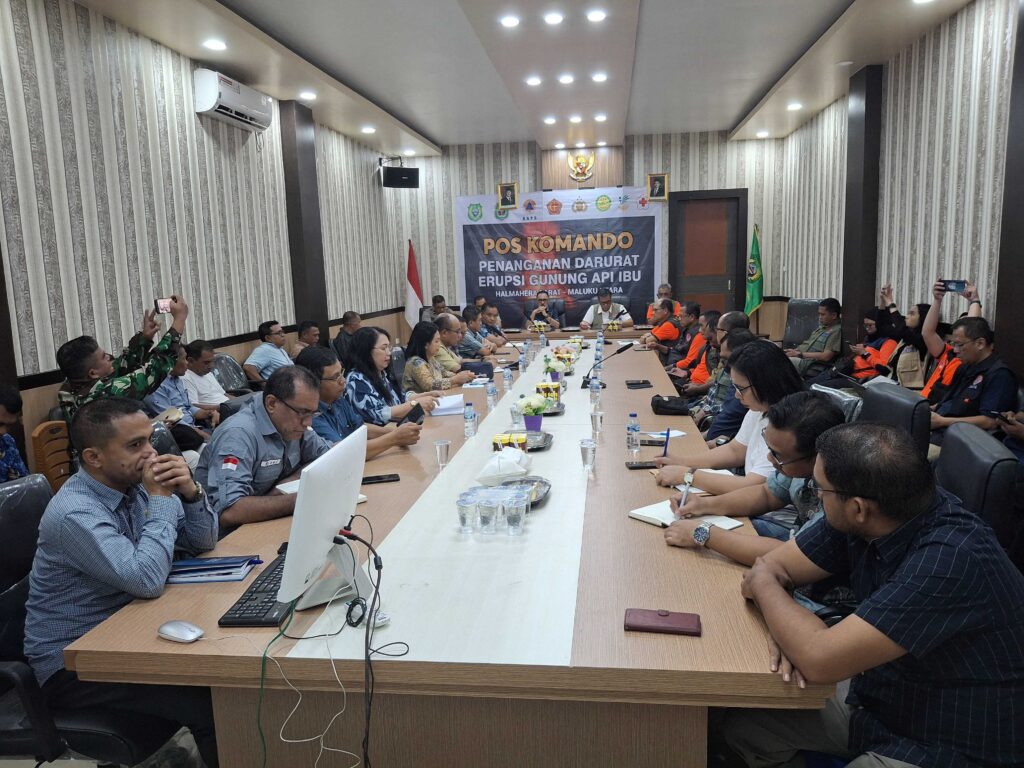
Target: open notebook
x=293, y=487
x=660, y=514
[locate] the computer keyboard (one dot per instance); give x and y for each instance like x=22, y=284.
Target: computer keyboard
x=258, y=606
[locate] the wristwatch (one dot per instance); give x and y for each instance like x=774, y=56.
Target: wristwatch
x=198, y=494
x=701, y=534
x=688, y=478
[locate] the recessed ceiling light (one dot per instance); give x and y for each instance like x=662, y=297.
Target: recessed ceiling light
x=600, y=117
x=846, y=63
x=602, y=143
x=550, y=120
x=409, y=152
x=509, y=21
x=214, y=44
x=553, y=18
x=575, y=119
x=599, y=77
x=580, y=144
x=559, y=145
x=307, y=96
x=596, y=15
x=763, y=134
x=921, y=2
x=566, y=79
x=794, y=106
x=533, y=80
x=368, y=129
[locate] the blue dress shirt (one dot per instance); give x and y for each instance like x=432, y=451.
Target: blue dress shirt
x=337, y=420
x=12, y=466
x=267, y=358
x=172, y=394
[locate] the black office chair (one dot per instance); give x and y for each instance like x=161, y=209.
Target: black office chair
x=455, y=309
x=28, y=729
x=232, y=376
x=899, y=407
x=801, y=320
x=163, y=440
x=556, y=307
x=398, y=362
x=981, y=472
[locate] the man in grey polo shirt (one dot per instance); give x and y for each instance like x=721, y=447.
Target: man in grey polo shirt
x=264, y=444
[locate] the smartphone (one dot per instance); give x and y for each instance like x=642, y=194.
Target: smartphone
x=416, y=415
x=659, y=443
x=637, y=382
x=954, y=286
x=641, y=465
x=374, y=479
x=1007, y=420
x=162, y=306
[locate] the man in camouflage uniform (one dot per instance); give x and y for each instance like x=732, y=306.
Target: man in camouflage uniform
x=92, y=373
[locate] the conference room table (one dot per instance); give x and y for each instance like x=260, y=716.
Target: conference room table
x=517, y=654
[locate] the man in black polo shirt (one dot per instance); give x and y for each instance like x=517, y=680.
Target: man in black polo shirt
x=931, y=664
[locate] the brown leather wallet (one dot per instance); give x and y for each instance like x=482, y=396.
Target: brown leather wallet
x=668, y=622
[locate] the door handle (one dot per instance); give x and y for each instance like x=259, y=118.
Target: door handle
x=730, y=285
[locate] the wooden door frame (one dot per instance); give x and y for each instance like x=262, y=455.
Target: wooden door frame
x=739, y=291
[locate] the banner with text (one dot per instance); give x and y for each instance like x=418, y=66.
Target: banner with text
x=569, y=243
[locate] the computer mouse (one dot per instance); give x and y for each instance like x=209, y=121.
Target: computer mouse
x=179, y=631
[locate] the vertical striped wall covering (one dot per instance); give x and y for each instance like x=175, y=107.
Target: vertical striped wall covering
x=112, y=190
x=363, y=253
x=812, y=209
x=943, y=154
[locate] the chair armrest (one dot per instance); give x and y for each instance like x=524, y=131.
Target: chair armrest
x=17, y=675
x=239, y=392
x=256, y=386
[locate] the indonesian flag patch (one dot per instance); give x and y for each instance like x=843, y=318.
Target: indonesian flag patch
x=229, y=463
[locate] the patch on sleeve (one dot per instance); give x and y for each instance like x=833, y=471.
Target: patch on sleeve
x=229, y=463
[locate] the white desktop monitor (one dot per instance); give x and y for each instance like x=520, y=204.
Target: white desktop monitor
x=327, y=497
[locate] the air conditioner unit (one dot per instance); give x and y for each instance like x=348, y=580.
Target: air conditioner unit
x=225, y=99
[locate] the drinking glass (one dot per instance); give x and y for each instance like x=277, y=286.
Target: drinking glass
x=488, y=511
x=588, y=452
x=466, y=504
x=596, y=422
x=517, y=418
x=516, y=507
x=443, y=449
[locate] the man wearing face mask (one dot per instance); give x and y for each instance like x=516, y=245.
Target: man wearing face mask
x=106, y=538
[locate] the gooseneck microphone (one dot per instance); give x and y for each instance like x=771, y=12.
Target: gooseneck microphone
x=619, y=351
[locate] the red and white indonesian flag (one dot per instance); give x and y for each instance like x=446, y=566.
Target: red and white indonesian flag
x=413, y=292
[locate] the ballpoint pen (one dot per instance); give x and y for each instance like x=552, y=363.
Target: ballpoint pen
x=686, y=493
x=664, y=451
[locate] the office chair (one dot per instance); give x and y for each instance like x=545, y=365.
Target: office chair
x=801, y=320
x=398, y=362
x=850, y=404
x=51, y=447
x=899, y=407
x=163, y=440
x=231, y=375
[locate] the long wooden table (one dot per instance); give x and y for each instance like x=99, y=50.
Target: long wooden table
x=616, y=698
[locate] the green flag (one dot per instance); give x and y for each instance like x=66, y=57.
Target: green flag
x=755, y=277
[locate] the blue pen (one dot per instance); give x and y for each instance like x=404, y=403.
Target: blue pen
x=664, y=451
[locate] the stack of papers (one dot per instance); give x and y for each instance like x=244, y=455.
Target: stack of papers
x=293, y=487
x=202, y=569
x=448, y=406
x=660, y=514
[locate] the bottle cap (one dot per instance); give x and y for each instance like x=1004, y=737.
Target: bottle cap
x=632, y=415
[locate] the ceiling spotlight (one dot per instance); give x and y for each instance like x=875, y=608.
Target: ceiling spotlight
x=559, y=145
x=368, y=129
x=600, y=117
x=575, y=119
x=921, y=2
x=602, y=143
x=409, y=152
x=763, y=134
x=846, y=63
x=214, y=44
x=596, y=15
x=550, y=120
x=509, y=21
x=533, y=80
x=580, y=144
x=553, y=18
x=307, y=96
x=566, y=79
x=794, y=106
x=599, y=77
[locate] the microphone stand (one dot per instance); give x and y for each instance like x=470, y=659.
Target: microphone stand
x=619, y=351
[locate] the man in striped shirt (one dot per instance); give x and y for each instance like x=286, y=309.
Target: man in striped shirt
x=931, y=663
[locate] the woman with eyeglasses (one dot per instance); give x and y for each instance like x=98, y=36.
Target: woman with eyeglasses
x=371, y=385
x=762, y=376
x=423, y=371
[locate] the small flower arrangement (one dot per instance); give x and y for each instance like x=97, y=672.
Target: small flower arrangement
x=553, y=366
x=534, y=405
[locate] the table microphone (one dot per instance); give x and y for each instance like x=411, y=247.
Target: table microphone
x=623, y=348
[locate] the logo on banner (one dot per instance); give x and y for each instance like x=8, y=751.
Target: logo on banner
x=581, y=166
x=643, y=202
x=753, y=270
x=579, y=206
x=500, y=213
x=475, y=212
x=603, y=203
x=530, y=206
x=624, y=201
x=554, y=206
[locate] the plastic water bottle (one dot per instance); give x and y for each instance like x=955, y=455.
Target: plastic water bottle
x=542, y=340
x=469, y=421
x=633, y=436
x=600, y=339
x=507, y=378
x=598, y=357
x=526, y=354
x=595, y=391
x=492, y=395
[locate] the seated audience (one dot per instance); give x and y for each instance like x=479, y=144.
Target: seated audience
x=720, y=413
x=692, y=381
x=666, y=330
x=543, y=313
x=12, y=466
x=825, y=343
x=762, y=379
x=479, y=302
x=664, y=292
x=491, y=327
x=944, y=360
x=92, y=373
x=599, y=315
x=909, y=366
x=337, y=418
x=719, y=377
x=350, y=323
x=172, y=394
x=371, y=387
x=689, y=326
x=264, y=444
x=424, y=371
x=438, y=306
x=474, y=345
x=269, y=355
x=308, y=336
x=204, y=391
x=930, y=666
x=452, y=335
x=109, y=536
x=982, y=387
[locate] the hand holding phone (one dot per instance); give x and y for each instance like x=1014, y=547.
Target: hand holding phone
x=162, y=306
x=415, y=415
x=954, y=286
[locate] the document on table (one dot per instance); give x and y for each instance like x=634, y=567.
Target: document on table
x=671, y=433
x=292, y=486
x=694, y=488
x=660, y=514
x=449, y=405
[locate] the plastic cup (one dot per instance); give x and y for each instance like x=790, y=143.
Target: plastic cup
x=488, y=511
x=516, y=508
x=597, y=422
x=443, y=449
x=466, y=505
x=588, y=452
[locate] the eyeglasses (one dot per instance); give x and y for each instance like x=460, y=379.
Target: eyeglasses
x=276, y=333
x=302, y=413
x=385, y=348
x=338, y=378
x=958, y=345
x=740, y=390
x=778, y=459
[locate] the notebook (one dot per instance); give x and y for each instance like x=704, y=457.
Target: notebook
x=660, y=514
x=200, y=570
x=448, y=405
x=293, y=487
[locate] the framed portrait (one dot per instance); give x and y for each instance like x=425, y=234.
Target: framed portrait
x=508, y=195
x=657, y=186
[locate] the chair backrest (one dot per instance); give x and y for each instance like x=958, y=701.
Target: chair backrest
x=228, y=372
x=981, y=471
x=22, y=503
x=163, y=440
x=899, y=407
x=51, y=447
x=850, y=404
x=398, y=362
x=801, y=320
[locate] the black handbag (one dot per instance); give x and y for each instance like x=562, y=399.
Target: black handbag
x=670, y=406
